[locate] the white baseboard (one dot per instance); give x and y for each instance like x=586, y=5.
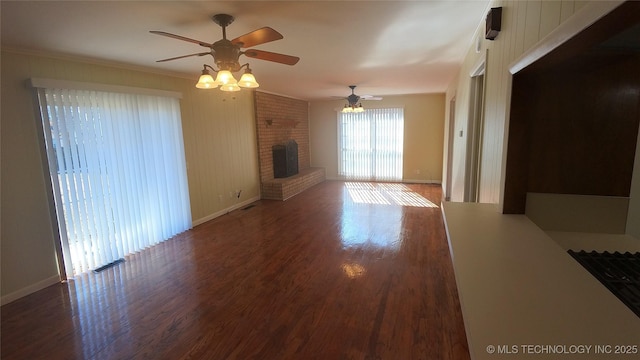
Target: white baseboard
x=406, y=181
x=422, y=181
x=224, y=211
x=29, y=289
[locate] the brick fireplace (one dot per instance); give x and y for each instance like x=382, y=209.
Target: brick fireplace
x=280, y=120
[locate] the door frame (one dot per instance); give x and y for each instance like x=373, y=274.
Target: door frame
x=475, y=130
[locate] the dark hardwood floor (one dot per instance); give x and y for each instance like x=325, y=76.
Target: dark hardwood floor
x=340, y=271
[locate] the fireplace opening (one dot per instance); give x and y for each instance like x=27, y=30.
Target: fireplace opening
x=285, y=159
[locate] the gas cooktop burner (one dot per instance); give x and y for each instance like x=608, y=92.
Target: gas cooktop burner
x=620, y=273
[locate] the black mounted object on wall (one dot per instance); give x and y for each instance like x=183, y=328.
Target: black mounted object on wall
x=493, y=23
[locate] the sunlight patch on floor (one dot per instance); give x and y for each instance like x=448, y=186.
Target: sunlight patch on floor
x=353, y=270
x=386, y=194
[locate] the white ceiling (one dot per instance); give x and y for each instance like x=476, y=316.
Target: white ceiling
x=384, y=47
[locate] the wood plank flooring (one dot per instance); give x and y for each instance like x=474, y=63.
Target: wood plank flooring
x=341, y=271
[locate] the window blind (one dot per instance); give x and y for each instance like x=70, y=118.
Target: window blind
x=371, y=144
x=118, y=172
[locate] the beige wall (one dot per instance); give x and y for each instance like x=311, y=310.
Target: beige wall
x=423, y=134
x=524, y=23
x=220, y=149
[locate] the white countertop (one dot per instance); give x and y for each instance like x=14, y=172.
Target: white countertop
x=522, y=294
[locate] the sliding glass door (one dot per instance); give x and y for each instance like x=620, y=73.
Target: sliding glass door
x=371, y=144
x=117, y=170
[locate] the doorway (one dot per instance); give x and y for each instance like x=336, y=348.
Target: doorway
x=475, y=129
x=452, y=132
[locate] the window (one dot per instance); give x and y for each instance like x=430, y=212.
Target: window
x=370, y=144
x=118, y=172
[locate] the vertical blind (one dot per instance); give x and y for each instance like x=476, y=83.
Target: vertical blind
x=118, y=172
x=371, y=144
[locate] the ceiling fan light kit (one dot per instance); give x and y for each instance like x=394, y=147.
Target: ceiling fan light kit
x=226, y=54
x=353, y=105
x=353, y=108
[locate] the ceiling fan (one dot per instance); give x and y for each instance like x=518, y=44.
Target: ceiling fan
x=354, y=104
x=226, y=53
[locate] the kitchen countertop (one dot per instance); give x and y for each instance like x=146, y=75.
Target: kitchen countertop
x=524, y=297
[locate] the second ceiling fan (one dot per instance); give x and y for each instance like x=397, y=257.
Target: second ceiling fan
x=354, y=104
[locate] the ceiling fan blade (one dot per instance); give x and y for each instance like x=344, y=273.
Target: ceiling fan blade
x=369, y=97
x=257, y=37
x=184, y=56
x=271, y=56
x=201, y=43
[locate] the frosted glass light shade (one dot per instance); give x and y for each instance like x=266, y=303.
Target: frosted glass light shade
x=206, y=82
x=248, y=80
x=230, y=87
x=225, y=77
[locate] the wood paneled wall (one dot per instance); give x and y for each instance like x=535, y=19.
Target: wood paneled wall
x=524, y=23
x=583, y=126
x=574, y=119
